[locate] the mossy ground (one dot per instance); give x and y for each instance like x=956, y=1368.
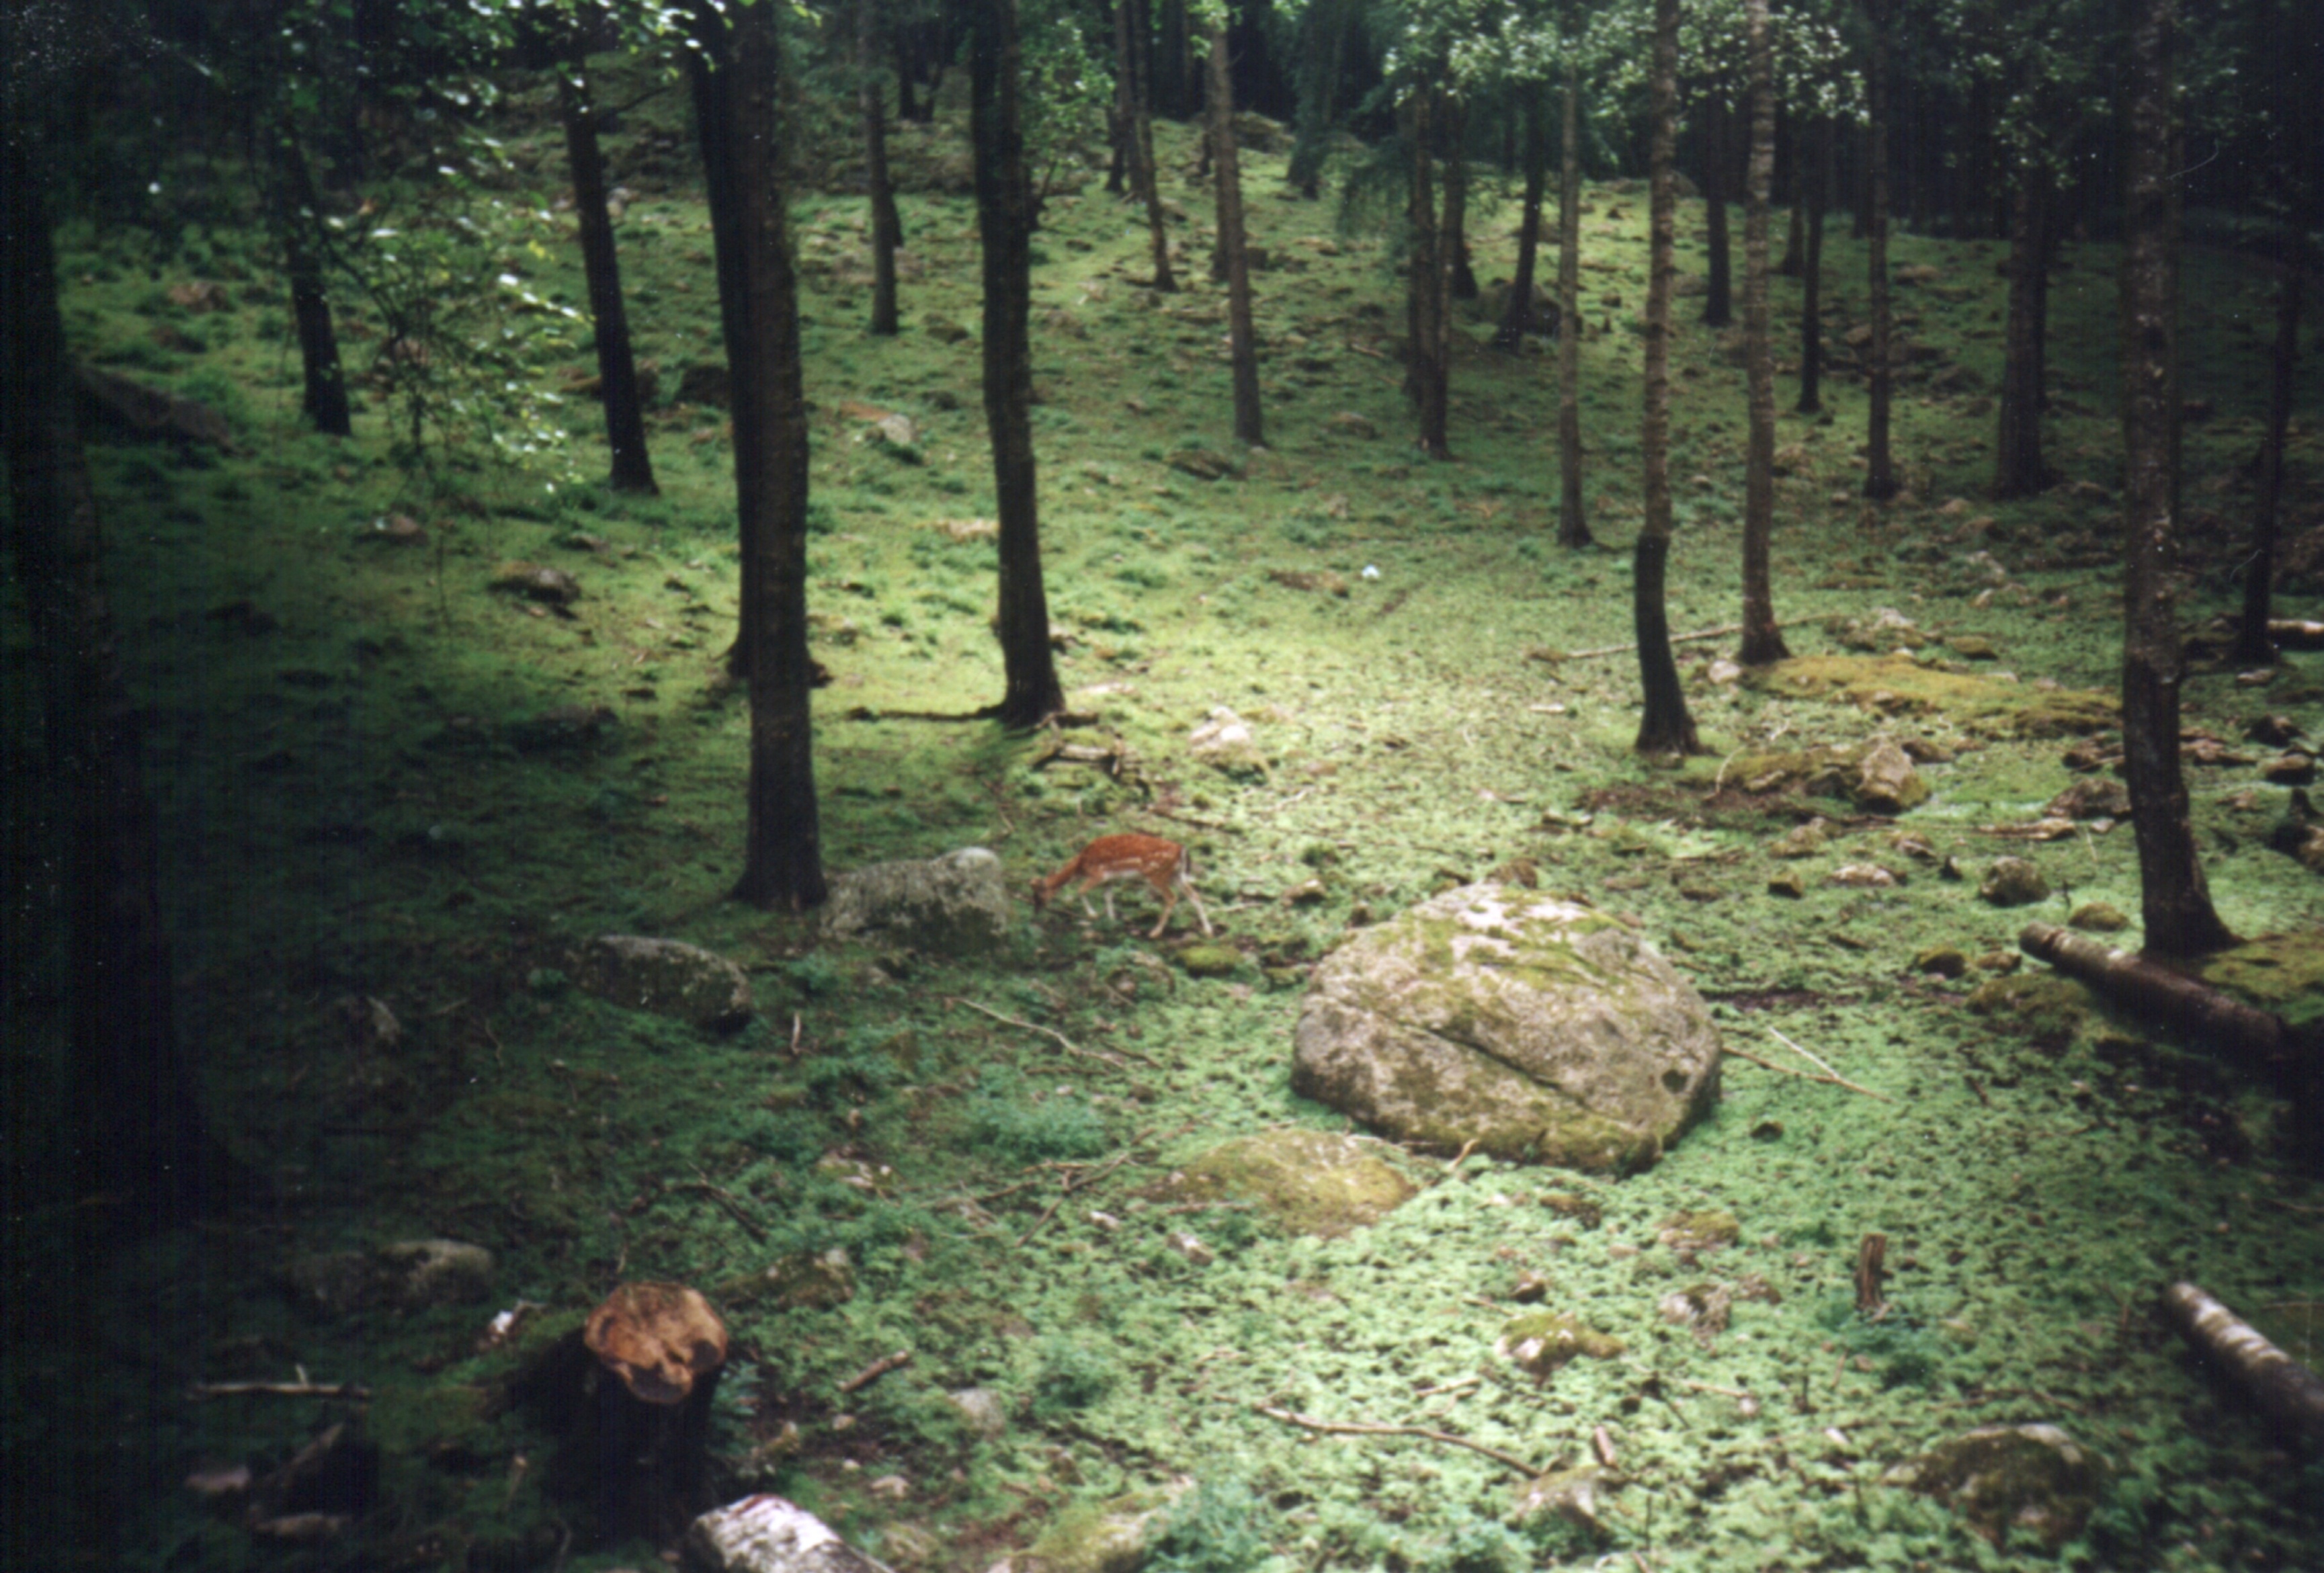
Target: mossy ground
x=358, y=796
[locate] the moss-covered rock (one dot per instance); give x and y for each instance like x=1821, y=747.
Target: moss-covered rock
x=1545, y=1340
x=1534, y=1028
x=1897, y=685
x=1201, y=960
x=1311, y=1183
x=956, y=904
x=668, y=977
x=2033, y=1479
x=1099, y=1537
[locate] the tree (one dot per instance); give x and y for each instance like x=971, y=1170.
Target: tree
x=886, y=228
x=2019, y=469
x=1572, y=524
x=1817, y=180
x=1517, y=311
x=783, y=851
x=1134, y=83
x=140, y=1143
x=1763, y=641
x=1226, y=178
x=1427, y=289
x=1718, y=289
x=1664, y=727
x=617, y=371
x=298, y=224
x=2174, y=900
x=1880, y=482
x=1031, y=693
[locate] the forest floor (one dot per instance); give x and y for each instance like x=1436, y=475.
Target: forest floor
x=379, y=778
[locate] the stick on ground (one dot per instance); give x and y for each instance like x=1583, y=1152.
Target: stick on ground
x=1355, y=1427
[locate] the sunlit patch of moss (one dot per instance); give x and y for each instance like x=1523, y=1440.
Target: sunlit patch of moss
x=1899, y=686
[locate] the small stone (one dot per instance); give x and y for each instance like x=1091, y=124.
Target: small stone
x=1941, y=961
x=983, y=1411
x=1579, y=1208
x=1210, y=961
x=2274, y=729
x=2012, y=882
x=1531, y=1285
x=1802, y=841
x=1350, y=424
x=1886, y=781
x=1723, y=672
x=1541, y=1343
x=2289, y=770
x=2000, y=963
x=1862, y=876
x=551, y=586
x=1699, y=1231
x=2097, y=917
x=1786, y=883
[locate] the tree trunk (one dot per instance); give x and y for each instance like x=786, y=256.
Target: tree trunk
x=1664, y=727
x=1572, y=524
x=886, y=228
x=1148, y=181
x=1819, y=191
x=2253, y=644
x=1425, y=315
x=2174, y=900
x=2154, y=992
x=140, y=1144
x=2291, y=1394
x=617, y=371
x=1880, y=482
x=1763, y=640
x=783, y=858
x=325, y=398
x=1517, y=312
x=1226, y=178
x=1169, y=81
x=2019, y=469
x=710, y=80
x=1322, y=33
x=1460, y=278
x=1031, y=694
x=1718, y=287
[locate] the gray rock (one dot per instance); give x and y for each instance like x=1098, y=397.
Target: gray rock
x=2013, y=882
x=1311, y=1183
x=1536, y=1027
x=983, y=1411
x=1886, y=781
x=767, y=1534
x=956, y=904
x=2033, y=1480
x=668, y=977
x=1224, y=741
x=409, y=1274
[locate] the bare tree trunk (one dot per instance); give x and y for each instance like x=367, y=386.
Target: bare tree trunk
x=1880, y=482
x=1517, y=311
x=1819, y=192
x=1719, y=287
x=1460, y=278
x=1664, y=727
x=1031, y=693
x=617, y=370
x=783, y=851
x=1227, y=178
x=2253, y=645
x=1319, y=86
x=324, y=400
x=1140, y=32
x=1763, y=640
x=2019, y=469
x=710, y=82
x=2174, y=900
x=1573, y=523
x=887, y=227
x=141, y=1148
x=1426, y=314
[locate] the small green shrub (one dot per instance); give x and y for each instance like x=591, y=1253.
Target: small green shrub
x=1009, y=1120
x=1071, y=1376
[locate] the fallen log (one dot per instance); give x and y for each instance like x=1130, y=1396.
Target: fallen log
x=2245, y=1031
x=2296, y=636
x=2282, y=1385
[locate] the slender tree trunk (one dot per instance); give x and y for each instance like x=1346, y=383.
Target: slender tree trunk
x=2174, y=900
x=1171, y=81
x=1793, y=148
x=1517, y=312
x=1141, y=144
x=1425, y=315
x=906, y=108
x=1031, y=694
x=1664, y=727
x=2253, y=644
x=1718, y=287
x=1819, y=191
x=139, y=1141
x=1572, y=524
x=783, y=851
x=1322, y=31
x=2019, y=469
x=1763, y=640
x=710, y=80
x=887, y=227
x=1227, y=179
x=1460, y=278
x=324, y=398
x=617, y=370
x=1880, y=482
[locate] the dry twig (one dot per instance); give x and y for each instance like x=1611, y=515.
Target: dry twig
x=875, y=1370
x=1104, y=1056
x=1367, y=1428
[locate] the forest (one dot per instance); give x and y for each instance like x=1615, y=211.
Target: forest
x=1189, y=785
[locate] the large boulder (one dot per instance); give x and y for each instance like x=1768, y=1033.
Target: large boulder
x=2031, y=1480
x=1534, y=1027
x=668, y=977
x=956, y=904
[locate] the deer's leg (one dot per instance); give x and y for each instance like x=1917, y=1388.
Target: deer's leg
x=1169, y=901
x=1196, y=896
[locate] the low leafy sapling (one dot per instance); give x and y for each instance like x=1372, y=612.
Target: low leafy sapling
x=1163, y=864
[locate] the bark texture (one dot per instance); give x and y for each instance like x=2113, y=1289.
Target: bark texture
x=1427, y=316
x=1664, y=727
x=2287, y=1390
x=324, y=397
x=1517, y=312
x=887, y=227
x=2174, y=900
x=1763, y=640
x=1718, y=281
x=1226, y=178
x=617, y=369
x=1572, y=522
x=1880, y=482
x=783, y=858
x=1136, y=39
x=2019, y=468
x=1818, y=181
x=710, y=80
x=1031, y=693
x=2253, y=643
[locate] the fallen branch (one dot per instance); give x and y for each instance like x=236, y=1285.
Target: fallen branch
x=2296, y=636
x=2154, y=990
x=1828, y=1076
x=1697, y=637
x=1351, y=1428
x=302, y=1389
x=875, y=1370
x=1106, y=1057
x=2282, y=1385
